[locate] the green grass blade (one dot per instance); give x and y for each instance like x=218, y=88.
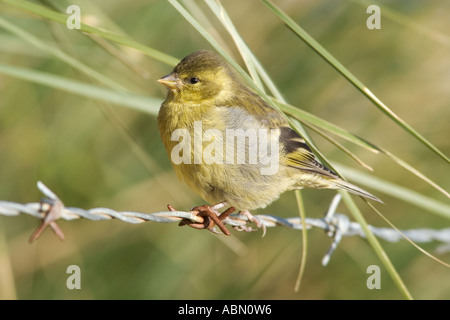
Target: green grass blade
x=302, y=213
x=416, y=172
x=204, y=18
x=328, y=57
x=14, y=46
x=115, y=37
x=310, y=119
x=116, y=51
x=396, y=191
x=338, y=145
x=305, y=116
x=46, y=47
x=253, y=65
x=245, y=52
x=404, y=20
x=213, y=42
x=375, y=244
x=146, y=104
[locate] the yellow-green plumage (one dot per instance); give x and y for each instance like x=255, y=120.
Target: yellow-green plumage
x=203, y=89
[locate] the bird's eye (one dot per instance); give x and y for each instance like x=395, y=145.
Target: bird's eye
x=194, y=80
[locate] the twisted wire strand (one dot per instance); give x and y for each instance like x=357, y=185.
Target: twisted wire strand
x=335, y=224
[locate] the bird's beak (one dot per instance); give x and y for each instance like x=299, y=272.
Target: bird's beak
x=171, y=81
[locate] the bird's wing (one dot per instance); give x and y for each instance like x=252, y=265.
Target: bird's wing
x=298, y=153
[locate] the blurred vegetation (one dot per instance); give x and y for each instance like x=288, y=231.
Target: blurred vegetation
x=93, y=154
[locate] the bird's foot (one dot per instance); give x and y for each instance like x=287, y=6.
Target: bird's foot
x=252, y=218
x=211, y=217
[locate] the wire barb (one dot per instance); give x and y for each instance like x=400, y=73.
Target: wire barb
x=52, y=209
x=336, y=225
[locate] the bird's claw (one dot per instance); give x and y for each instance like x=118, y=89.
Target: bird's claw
x=256, y=220
x=210, y=217
x=244, y=228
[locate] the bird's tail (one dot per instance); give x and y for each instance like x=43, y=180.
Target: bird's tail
x=341, y=184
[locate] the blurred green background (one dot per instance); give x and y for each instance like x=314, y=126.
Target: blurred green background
x=79, y=149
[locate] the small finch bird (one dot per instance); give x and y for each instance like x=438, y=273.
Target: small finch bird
x=230, y=146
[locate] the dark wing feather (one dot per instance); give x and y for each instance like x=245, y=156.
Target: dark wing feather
x=300, y=156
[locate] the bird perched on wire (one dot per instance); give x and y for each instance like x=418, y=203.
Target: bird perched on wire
x=230, y=146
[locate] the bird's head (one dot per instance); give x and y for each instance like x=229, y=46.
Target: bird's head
x=199, y=77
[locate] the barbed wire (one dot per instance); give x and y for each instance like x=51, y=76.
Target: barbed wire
x=336, y=225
